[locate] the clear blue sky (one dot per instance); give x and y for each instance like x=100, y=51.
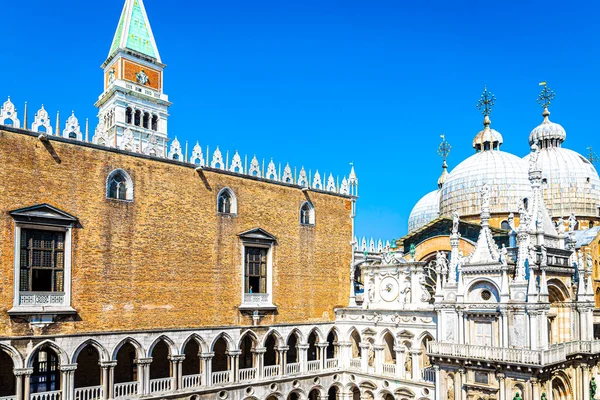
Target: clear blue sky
x=321, y=83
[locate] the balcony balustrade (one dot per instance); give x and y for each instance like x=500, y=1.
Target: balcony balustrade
x=53, y=395
x=8, y=398
x=332, y=363
x=191, y=381
x=161, y=385
x=221, y=377
x=355, y=364
x=293, y=368
x=88, y=393
x=428, y=375
x=126, y=389
x=247, y=374
x=271, y=371
x=389, y=369
x=314, y=365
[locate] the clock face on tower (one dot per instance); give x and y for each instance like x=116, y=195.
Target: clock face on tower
x=388, y=289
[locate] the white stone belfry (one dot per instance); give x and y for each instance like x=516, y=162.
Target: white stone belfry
x=8, y=115
x=41, y=122
x=133, y=97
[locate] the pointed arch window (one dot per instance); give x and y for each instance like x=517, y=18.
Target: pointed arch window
x=226, y=202
x=119, y=186
x=307, y=214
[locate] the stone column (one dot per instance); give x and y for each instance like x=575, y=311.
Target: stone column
x=502, y=386
x=144, y=374
x=322, y=354
x=535, y=388
x=68, y=378
x=234, y=364
x=260, y=361
x=108, y=368
x=345, y=354
x=176, y=368
x=379, y=359
x=543, y=317
x=282, y=358
x=27, y=383
x=505, y=338
x=549, y=389
x=533, y=330
x=461, y=327
x=463, y=391
x=22, y=375
x=364, y=357
x=303, y=356
x=399, y=361
x=457, y=385
x=586, y=382
x=207, y=367
x=438, y=382
x=416, y=365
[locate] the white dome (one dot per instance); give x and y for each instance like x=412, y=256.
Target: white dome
x=571, y=183
x=427, y=209
x=547, y=133
x=506, y=175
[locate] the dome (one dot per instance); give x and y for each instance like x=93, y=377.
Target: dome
x=570, y=181
x=505, y=173
x=427, y=209
x=488, y=138
x=547, y=133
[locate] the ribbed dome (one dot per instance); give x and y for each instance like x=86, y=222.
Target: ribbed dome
x=427, y=209
x=570, y=181
x=547, y=133
x=488, y=138
x=505, y=174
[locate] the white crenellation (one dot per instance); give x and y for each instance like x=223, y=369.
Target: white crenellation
x=254, y=167
x=317, y=181
x=217, y=160
x=236, y=164
x=175, y=150
x=272, y=171
x=41, y=122
x=302, y=179
x=344, y=189
x=331, y=184
x=197, y=158
x=287, y=175
x=8, y=115
x=72, y=129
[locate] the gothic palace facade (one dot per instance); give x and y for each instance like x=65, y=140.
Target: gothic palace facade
x=133, y=268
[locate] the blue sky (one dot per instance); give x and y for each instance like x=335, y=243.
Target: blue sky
x=321, y=83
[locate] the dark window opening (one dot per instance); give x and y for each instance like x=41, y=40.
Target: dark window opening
x=146, y=121
x=505, y=225
x=117, y=187
x=256, y=270
x=128, y=115
x=154, y=122
x=305, y=212
x=42, y=261
x=138, y=118
x=46, y=373
x=224, y=203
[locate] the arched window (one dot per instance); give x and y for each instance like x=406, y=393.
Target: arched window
x=119, y=186
x=226, y=202
x=505, y=225
x=146, y=121
x=128, y=115
x=307, y=214
x=154, y=122
x=138, y=118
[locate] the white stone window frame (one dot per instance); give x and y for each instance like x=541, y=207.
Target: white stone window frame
x=257, y=301
x=39, y=307
x=311, y=215
x=128, y=194
x=233, y=208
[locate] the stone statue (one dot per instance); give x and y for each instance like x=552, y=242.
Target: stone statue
x=504, y=255
x=511, y=221
x=405, y=295
x=442, y=262
x=371, y=355
x=544, y=260
x=572, y=222
x=533, y=158
x=544, y=396
x=588, y=259
x=485, y=195
x=408, y=365
x=517, y=396
x=450, y=389
x=560, y=225
x=593, y=388
x=371, y=293
x=455, y=221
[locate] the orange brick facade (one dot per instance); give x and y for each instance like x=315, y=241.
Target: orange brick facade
x=167, y=260
x=130, y=70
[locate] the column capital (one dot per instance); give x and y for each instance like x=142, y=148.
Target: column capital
x=108, y=364
x=259, y=350
x=399, y=349
x=23, y=371
x=364, y=345
x=418, y=353
x=378, y=347
x=500, y=376
x=68, y=367
x=177, y=357
x=233, y=352
x=282, y=348
x=322, y=345
x=143, y=361
x=207, y=356
x=533, y=381
x=303, y=346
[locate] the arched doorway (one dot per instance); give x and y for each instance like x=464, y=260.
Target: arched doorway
x=7, y=377
x=333, y=393
x=126, y=371
x=355, y=350
x=314, y=394
x=46, y=371
x=220, y=363
x=191, y=367
x=248, y=363
x=426, y=369
x=293, y=396
x=559, y=316
x=355, y=393
x=292, y=359
x=389, y=355
x=313, y=352
x=271, y=357
x=387, y=396
x=88, y=373
x=332, y=352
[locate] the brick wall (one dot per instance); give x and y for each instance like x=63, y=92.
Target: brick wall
x=167, y=260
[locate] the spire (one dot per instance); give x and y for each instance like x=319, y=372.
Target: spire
x=134, y=31
x=25, y=117
x=443, y=151
x=486, y=249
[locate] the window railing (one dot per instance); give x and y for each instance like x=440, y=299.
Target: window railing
x=54, y=395
x=191, y=381
x=126, y=389
x=429, y=375
x=247, y=374
x=355, y=363
x=88, y=393
x=332, y=363
x=161, y=385
x=293, y=368
x=41, y=298
x=314, y=365
x=221, y=377
x=256, y=298
x=9, y=398
x=270, y=371
x=389, y=369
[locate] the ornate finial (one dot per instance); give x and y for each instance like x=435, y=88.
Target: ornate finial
x=592, y=157
x=444, y=148
x=546, y=96
x=486, y=102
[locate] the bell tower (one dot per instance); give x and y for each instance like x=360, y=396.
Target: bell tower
x=133, y=109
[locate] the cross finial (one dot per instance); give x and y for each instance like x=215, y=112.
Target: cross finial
x=486, y=102
x=546, y=96
x=592, y=157
x=444, y=148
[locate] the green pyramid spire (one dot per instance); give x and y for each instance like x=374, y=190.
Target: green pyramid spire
x=134, y=31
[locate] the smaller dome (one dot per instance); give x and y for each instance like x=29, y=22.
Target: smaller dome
x=548, y=133
x=426, y=210
x=488, y=138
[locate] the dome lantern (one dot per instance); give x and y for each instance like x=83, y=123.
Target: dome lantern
x=488, y=138
x=548, y=134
